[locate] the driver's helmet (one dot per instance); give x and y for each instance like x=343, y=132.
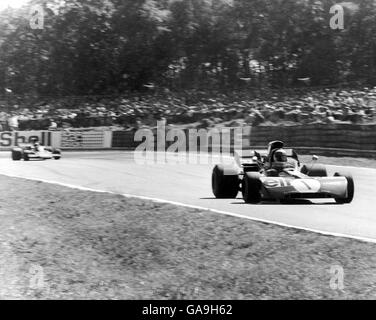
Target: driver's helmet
x=36, y=145
x=280, y=156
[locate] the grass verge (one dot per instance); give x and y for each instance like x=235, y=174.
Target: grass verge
x=60, y=243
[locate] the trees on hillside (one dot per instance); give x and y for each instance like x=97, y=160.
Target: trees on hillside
x=97, y=47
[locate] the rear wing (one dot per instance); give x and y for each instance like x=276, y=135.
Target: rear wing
x=249, y=157
x=261, y=154
x=250, y=153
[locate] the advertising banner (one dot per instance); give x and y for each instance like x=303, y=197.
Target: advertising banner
x=12, y=139
x=83, y=140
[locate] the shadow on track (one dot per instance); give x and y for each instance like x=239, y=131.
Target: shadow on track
x=295, y=202
x=276, y=202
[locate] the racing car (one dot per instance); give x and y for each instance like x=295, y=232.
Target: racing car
x=277, y=174
x=34, y=151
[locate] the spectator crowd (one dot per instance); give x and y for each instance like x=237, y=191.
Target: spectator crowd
x=201, y=109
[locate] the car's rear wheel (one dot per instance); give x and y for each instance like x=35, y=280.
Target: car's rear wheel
x=350, y=189
x=315, y=170
x=251, y=187
x=225, y=182
x=26, y=157
x=16, y=155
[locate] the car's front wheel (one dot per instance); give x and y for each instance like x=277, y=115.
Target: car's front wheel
x=56, y=153
x=251, y=187
x=56, y=156
x=350, y=189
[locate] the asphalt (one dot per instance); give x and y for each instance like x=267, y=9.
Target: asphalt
x=190, y=184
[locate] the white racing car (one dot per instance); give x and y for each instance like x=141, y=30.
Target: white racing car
x=34, y=152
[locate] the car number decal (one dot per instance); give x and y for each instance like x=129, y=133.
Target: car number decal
x=272, y=183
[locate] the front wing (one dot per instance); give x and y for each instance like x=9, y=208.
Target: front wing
x=308, y=188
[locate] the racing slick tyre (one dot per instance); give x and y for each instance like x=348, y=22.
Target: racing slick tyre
x=350, y=189
x=225, y=186
x=26, y=157
x=251, y=187
x=56, y=153
x=16, y=155
x=316, y=170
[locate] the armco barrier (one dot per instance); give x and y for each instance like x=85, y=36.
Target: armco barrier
x=193, y=140
x=334, y=139
x=124, y=140
x=322, y=139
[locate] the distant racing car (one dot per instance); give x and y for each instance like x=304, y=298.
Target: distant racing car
x=34, y=151
x=276, y=174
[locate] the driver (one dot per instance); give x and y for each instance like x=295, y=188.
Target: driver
x=36, y=146
x=279, y=157
x=278, y=163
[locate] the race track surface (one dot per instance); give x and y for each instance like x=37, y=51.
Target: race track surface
x=191, y=184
